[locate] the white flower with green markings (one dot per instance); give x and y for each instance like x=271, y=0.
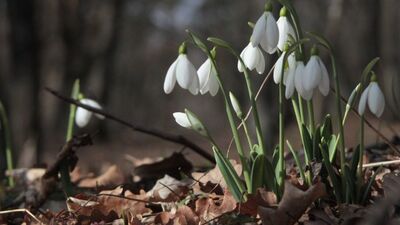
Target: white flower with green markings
x=265, y=32
x=183, y=72
x=285, y=29
x=373, y=97
x=316, y=74
x=83, y=116
x=208, y=78
x=253, y=58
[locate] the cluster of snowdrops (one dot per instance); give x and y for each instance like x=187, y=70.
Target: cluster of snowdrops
x=295, y=71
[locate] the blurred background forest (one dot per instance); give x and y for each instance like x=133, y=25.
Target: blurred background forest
x=121, y=50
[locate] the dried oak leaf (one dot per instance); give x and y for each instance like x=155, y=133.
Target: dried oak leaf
x=209, y=208
x=184, y=215
x=261, y=198
x=292, y=206
x=112, y=177
x=214, y=176
x=168, y=189
x=109, y=201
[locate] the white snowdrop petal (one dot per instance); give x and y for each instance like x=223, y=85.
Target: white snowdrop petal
x=312, y=74
x=184, y=71
x=194, y=86
x=82, y=117
x=278, y=69
x=376, y=101
x=285, y=28
x=324, y=84
x=204, y=73
x=270, y=42
x=260, y=67
x=239, y=64
x=258, y=31
x=251, y=57
x=363, y=101
x=307, y=95
x=299, y=76
x=290, y=84
x=182, y=119
x=213, y=84
x=170, y=78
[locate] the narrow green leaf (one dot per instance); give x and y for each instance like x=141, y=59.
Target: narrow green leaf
x=257, y=173
x=351, y=102
x=367, y=188
x=230, y=176
x=307, y=142
x=297, y=160
x=351, y=185
x=316, y=141
x=332, y=147
x=326, y=130
x=332, y=175
x=270, y=179
x=354, y=162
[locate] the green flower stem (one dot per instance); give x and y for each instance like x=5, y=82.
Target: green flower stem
x=246, y=131
x=301, y=109
x=255, y=111
x=311, y=118
x=360, y=164
x=246, y=170
x=64, y=167
x=340, y=124
x=281, y=158
x=7, y=140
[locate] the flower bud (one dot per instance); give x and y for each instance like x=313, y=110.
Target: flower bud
x=236, y=105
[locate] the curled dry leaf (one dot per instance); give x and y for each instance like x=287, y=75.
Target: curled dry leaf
x=209, y=208
x=168, y=189
x=262, y=198
x=292, y=206
x=214, y=176
x=112, y=177
x=110, y=201
x=184, y=215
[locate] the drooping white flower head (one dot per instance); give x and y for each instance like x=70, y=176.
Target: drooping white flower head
x=285, y=29
x=253, y=58
x=288, y=67
x=299, y=76
x=265, y=32
x=183, y=71
x=208, y=78
x=182, y=119
x=373, y=96
x=82, y=116
x=316, y=74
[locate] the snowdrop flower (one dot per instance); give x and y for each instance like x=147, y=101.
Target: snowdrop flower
x=82, y=116
x=253, y=58
x=265, y=31
x=285, y=29
x=208, y=78
x=288, y=67
x=182, y=119
x=316, y=74
x=183, y=71
x=372, y=96
x=299, y=75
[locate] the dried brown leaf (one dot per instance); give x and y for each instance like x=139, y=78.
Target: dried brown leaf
x=292, y=206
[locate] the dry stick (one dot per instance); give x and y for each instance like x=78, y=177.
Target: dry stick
x=382, y=163
x=21, y=210
x=156, y=133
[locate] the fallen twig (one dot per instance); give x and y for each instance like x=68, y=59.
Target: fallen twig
x=21, y=210
x=156, y=133
x=383, y=163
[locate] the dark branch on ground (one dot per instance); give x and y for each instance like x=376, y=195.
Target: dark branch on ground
x=156, y=133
